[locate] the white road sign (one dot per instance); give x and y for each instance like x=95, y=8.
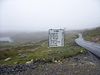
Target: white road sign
x=56, y=37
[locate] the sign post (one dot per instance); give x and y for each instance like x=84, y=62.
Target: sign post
x=56, y=37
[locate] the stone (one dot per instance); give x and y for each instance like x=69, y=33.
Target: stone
x=7, y=59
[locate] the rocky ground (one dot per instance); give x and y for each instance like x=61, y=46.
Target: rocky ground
x=83, y=64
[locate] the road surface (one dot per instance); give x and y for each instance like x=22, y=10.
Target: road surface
x=91, y=46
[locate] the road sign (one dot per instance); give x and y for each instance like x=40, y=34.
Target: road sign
x=56, y=37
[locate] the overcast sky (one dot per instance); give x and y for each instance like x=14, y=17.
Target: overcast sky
x=41, y=15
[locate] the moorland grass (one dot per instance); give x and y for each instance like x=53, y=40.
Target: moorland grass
x=41, y=52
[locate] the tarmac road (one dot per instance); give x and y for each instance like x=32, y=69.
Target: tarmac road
x=91, y=46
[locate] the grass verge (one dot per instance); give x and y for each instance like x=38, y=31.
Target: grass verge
x=41, y=52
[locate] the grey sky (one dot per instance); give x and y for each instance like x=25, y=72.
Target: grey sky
x=38, y=15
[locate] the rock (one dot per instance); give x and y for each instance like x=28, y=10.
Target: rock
x=76, y=72
x=76, y=59
x=15, y=62
x=29, y=62
x=55, y=61
x=23, y=55
x=60, y=62
x=73, y=64
x=81, y=51
x=91, y=63
x=7, y=59
x=85, y=57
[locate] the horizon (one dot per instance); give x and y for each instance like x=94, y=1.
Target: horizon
x=48, y=30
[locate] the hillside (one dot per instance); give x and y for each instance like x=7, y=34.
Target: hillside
x=92, y=35
x=23, y=37
x=68, y=60
x=21, y=53
x=34, y=49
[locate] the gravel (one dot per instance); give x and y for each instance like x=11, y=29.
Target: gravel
x=83, y=64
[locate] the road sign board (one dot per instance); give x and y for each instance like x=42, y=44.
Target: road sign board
x=56, y=37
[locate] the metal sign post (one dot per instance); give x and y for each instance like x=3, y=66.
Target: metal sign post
x=56, y=37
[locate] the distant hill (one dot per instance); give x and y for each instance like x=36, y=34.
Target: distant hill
x=22, y=37
x=28, y=37
x=92, y=35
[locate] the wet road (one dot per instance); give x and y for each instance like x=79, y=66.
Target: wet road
x=91, y=46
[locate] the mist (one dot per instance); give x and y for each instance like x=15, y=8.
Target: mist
x=41, y=15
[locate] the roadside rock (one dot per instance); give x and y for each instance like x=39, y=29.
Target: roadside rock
x=7, y=59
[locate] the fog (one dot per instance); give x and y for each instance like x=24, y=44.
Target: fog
x=41, y=15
